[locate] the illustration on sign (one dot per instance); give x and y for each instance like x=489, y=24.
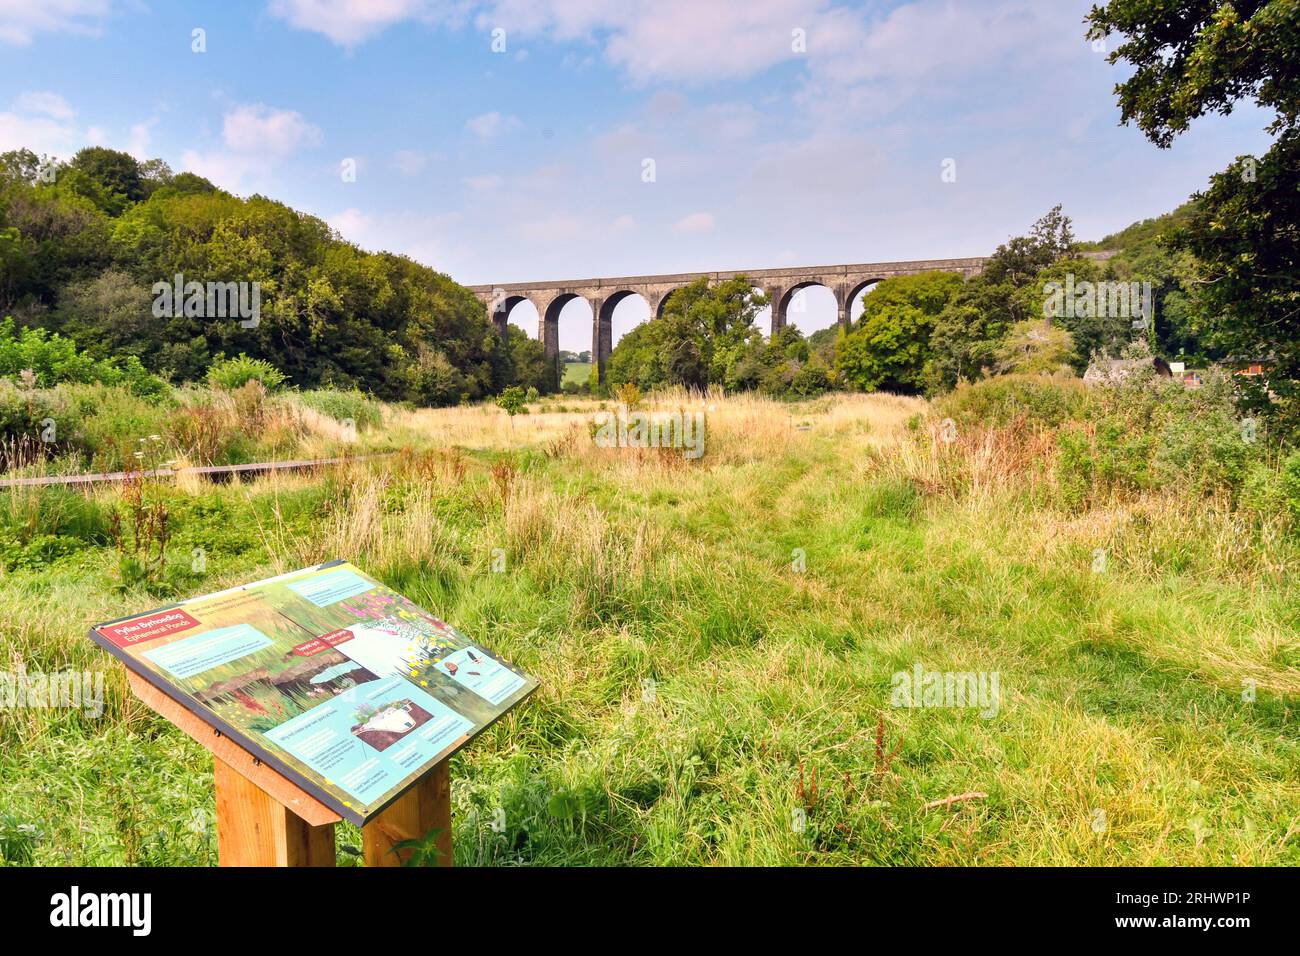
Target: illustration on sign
x=339, y=682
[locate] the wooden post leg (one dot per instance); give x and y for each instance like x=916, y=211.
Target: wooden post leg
x=424, y=807
x=255, y=829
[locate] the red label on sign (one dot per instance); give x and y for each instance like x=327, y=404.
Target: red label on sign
x=323, y=643
x=148, y=628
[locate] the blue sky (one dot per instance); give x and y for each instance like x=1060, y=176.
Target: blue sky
x=782, y=132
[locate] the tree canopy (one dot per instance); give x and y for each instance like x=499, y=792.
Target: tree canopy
x=82, y=244
x=1191, y=58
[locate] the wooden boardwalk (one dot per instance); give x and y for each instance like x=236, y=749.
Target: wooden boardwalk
x=210, y=472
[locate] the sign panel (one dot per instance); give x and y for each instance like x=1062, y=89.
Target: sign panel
x=341, y=684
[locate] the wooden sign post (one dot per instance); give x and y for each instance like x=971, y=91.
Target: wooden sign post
x=323, y=695
x=265, y=820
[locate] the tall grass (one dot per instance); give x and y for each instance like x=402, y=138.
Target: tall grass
x=717, y=642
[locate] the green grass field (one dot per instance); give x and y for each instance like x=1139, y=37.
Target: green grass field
x=718, y=643
x=577, y=372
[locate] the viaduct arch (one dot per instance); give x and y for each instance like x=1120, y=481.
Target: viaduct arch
x=604, y=295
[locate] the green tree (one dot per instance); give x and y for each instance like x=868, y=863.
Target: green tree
x=513, y=400
x=118, y=176
x=1190, y=58
x=703, y=333
x=1036, y=347
x=890, y=344
x=527, y=361
x=968, y=332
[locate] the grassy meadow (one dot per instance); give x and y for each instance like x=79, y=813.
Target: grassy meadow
x=579, y=373
x=717, y=641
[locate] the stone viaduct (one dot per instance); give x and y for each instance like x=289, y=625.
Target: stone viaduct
x=603, y=295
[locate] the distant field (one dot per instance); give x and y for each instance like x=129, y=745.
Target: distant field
x=579, y=372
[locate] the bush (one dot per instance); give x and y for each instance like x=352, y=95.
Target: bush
x=512, y=400
x=1074, y=468
x=44, y=359
x=206, y=429
x=1203, y=453
x=50, y=356
x=33, y=426
x=107, y=422
x=1123, y=456
x=1003, y=399
x=233, y=373
x=1290, y=484
x=812, y=379
x=135, y=378
x=629, y=395
x=1264, y=491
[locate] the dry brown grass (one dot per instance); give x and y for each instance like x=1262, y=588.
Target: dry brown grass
x=977, y=465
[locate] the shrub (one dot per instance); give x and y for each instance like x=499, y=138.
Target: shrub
x=1264, y=491
x=108, y=421
x=512, y=400
x=1034, y=347
x=1203, y=452
x=233, y=373
x=629, y=395
x=1003, y=399
x=1074, y=468
x=33, y=426
x=1122, y=456
x=812, y=379
x=50, y=356
x=1290, y=484
x=50, y=359
x=206, y=430
x=136, y=378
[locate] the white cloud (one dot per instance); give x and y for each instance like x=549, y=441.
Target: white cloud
x=46, y=103
x=349, y=23
x=483, y=184
x=692, y=41
x=847, y=48
x=42, y=122
x=21, y=20
x=410, y=162
x=258, y=128
x=40, y=134
x=696, y=222
x=141, y=134
x=352, y=224
x=257, y=140
x=669, y=39
x=492, y=125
